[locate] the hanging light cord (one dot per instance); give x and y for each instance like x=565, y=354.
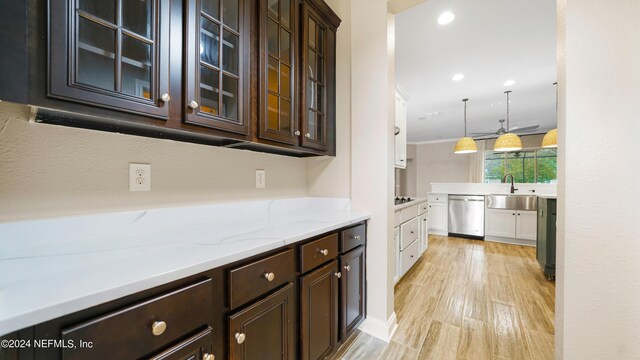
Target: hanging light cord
x=556, y=84
x=465, y=116
x=507, y=92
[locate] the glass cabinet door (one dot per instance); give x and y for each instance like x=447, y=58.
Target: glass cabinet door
x=215, y=63
x=318, y=89
x=117, y=54
x=277, y=48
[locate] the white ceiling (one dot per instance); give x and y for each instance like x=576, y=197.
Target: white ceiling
x=490, y=41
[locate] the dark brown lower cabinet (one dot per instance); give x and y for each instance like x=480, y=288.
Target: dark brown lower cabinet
x=352, y=291
x=264, y=330
x=197, y=347
x=319, y=312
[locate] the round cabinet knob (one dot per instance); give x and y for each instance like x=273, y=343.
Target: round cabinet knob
x=307, y=135
x=338, y=275
x=513, y=214
x=297, y=133
x=411, y=232
x=357, y=237
x=270, y=276
x=193, y=104
x=239, y=337
x=165, y=97
x=348, y=267
x=208, y=357
x=158, y=327
x=324, y=252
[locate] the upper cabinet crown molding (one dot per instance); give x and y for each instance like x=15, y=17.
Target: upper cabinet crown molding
x=400, y=90
x=234, y=72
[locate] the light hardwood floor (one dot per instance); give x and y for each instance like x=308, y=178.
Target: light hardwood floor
x=468, y=299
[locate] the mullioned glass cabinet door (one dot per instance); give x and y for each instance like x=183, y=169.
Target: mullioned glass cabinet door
x=111, y=53
x=217, y=64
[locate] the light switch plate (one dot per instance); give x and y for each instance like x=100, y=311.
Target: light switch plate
x=139, y=177
x=261, y=179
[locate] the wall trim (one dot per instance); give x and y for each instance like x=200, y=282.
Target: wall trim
x=383, y=330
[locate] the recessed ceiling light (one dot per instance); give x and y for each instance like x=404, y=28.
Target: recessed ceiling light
x=457, y=77
x=509, y=82
x=446, y=17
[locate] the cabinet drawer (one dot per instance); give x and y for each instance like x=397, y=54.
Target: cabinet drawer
x=352, y=238
x=422, y=208
x=252, y=280
x=408, y=257
x=408, y=213
x=409, y=233
x=318, y=252
x=137, y=330
x=199, y=346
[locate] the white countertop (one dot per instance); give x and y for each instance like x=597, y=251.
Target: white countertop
x=51, y=268
x=415, y=201
x=547, y=196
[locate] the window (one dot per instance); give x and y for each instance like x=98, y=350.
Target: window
x=526, y=166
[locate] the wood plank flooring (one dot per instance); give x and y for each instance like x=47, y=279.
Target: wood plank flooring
x=468, y=299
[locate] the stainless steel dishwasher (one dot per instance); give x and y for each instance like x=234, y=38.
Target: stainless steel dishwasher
x=466, y=216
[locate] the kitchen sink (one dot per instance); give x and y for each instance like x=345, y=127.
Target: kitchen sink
x=512, y=202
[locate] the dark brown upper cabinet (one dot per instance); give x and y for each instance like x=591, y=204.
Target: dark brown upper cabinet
x=277, y=29
x=217, y=64
x=318, y=78
x=111, y=53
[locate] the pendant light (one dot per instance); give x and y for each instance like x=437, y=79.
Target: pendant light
x=508, y=141
x=550, y=139
x=466, y=145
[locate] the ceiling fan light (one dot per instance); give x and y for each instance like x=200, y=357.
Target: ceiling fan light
x=465, y=145
x=508, y=142
x=550, y=139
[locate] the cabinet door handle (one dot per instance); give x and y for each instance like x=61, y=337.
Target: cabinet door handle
x=338, y=275
x=269, y=276
x=513, y=214
x=307, y=135
x=297, y=133
x=411, y=232
x=324, y=252
x=518, y=214
x=158, y=328
x=240, y=337
x=208, y=357
x=165, y=97
x=193, y=104
x=348, y=267
x=357, y=237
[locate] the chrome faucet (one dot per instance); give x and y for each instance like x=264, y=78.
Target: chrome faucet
x=504, y=179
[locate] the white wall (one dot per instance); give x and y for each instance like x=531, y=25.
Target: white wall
x=436, y=163
x=372, y=152
x=598, y=267
x=48, y=170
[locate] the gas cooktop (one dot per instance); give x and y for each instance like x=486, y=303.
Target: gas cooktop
x=402, y=200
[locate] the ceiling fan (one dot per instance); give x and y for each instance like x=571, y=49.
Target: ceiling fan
x=502, y=131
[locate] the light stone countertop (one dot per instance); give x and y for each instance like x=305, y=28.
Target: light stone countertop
x=54, y=267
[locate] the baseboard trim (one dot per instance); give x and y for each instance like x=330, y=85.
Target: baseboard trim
x=510, y=241
x=383, y=330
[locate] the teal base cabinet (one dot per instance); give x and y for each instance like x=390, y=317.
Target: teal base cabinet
x=546, y=241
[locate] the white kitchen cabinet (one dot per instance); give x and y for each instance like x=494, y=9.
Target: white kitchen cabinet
x=438, y=215
x=500, y=223
x=423, y=236
x=401, y=129
x=526, y=225
x=396, y=240
x=408, y=257
x=409, y=232
x=511, y=226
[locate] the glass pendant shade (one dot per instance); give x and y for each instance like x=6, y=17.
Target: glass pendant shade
x=508, y=142
x=550, y=139
x=466, y=145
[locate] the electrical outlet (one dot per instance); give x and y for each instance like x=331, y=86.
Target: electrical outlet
x=139, y=177
x=261, y=179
